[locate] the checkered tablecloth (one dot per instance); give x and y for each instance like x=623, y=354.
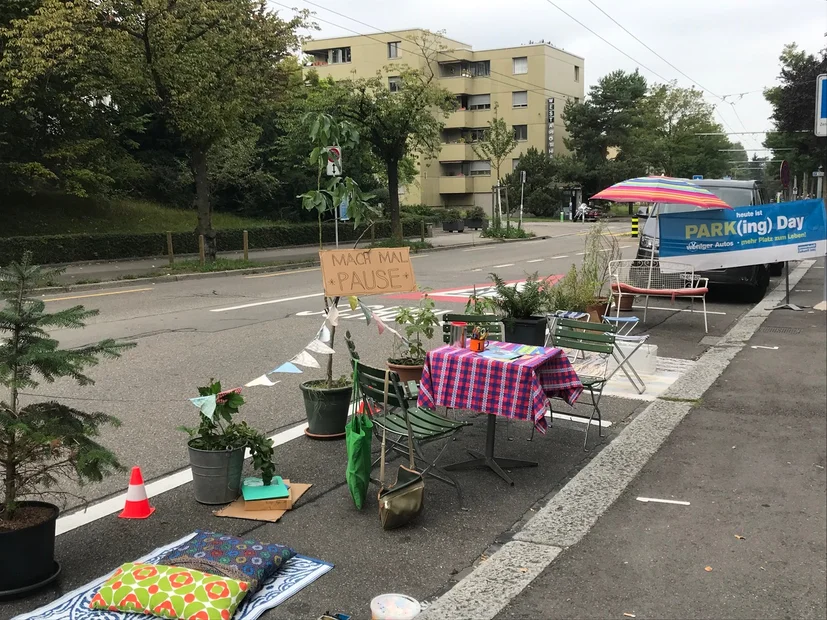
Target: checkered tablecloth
x=518, y=389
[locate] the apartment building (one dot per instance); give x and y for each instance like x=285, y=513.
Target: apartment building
x=529, y=85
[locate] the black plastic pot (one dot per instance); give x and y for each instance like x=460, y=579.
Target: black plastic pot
x=526, y=331
x=27, y=556
x=455, y=226
x=326, y=410
x=477, y=224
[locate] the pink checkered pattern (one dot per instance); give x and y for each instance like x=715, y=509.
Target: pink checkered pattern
x=519, y=389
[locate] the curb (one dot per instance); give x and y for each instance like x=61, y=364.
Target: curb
x=576, y=507
x=106, y=284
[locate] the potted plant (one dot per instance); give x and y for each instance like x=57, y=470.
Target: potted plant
x=452, y=221
x=409, y=354
x=601, y=249
x=216, y=449
x=475, y=218
x=41, y=443
x=327, y=401
x=523, y=309
x=574, y=292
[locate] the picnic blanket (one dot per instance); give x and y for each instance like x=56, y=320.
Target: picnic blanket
x=297, y=573
x=518, y=389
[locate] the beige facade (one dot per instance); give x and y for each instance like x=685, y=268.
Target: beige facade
x=528, y=84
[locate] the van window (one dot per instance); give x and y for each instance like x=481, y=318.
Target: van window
x=733, y=196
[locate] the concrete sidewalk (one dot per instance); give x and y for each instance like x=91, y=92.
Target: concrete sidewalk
x=750, y=460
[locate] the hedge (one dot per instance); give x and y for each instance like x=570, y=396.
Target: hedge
x=111, y=246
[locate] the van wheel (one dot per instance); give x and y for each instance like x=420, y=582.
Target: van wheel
x=776, y=269
x=756, y=292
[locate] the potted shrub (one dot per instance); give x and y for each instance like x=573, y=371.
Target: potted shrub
x=216, y=449
x=475, y=218
x=601, y=249
x=41, y=443
x=523, y=309
x=409, y=354
x=452, y=221
x=327, y=401
x=574, y=292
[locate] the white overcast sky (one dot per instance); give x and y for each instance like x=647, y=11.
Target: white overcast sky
x=728, y=46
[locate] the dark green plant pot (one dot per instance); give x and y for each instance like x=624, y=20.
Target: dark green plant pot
x=530, y=331
x=27, y=555
x=326, y=410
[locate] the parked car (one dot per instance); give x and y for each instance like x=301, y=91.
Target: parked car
x=753, y=279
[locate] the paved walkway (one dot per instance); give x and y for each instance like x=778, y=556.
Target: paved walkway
x=750, y=460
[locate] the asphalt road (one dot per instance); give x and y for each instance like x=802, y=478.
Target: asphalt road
x=236, y=328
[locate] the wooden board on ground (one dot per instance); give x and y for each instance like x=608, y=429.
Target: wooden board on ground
x=367, y=272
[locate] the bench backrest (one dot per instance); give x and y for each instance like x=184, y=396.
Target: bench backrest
x=653, y=274
x=584, y=336
x=491, y=322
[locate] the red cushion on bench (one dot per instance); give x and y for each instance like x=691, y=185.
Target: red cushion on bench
x=663, y=292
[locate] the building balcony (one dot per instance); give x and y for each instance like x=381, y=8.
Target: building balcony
x=458, y=85
x=456, y=152
x=456, y=185
x=460, y=119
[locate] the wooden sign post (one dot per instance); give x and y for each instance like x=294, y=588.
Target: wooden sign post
x=367, y=272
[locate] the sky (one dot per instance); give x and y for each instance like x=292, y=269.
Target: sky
x=729, y=47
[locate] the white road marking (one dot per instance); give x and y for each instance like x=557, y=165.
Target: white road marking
x=758, y=346
x=475, y=249
x=473, y=270
x=581, y=419
x=679, y=310
x=286, y=272
x=134, y=290
x=580, y=254
x=561, y=256
x=264, y=303
x=536, y=260
x=501, y=266
x=662, y=501
x=115, y=504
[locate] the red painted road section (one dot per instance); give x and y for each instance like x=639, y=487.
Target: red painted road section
x=461, y=295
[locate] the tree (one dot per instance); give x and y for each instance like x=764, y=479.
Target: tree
x=497, y=143
x=541, y=194
x=402, y=124
x=793, y=110
x=44, y=441
x=204, y=68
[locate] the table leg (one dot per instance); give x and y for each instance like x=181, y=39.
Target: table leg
x=494, y=463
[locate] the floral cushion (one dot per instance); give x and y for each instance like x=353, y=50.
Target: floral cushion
x=237, y=558
x=170, y=592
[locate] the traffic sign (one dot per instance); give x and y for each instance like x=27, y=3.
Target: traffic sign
x=697, y=177
x=334, y=161
x=821, y=106
x=785, y=174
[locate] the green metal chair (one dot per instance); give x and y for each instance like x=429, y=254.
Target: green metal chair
x=492, y=322
x=597, y=341
x=393, y=411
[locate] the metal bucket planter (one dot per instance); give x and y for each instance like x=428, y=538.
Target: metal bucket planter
x=216, y=474
x=27, y=555
x=326, y=409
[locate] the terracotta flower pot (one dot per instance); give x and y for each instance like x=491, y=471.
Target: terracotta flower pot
x=407, y=373
x=625, y=303
x=597, y=310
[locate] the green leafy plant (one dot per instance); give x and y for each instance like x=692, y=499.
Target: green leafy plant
x=44, y=442
x=475, y=213
x=452, y=215
x=500, y=232
x=601, y=248
x=520, y=302
x=574, y=292
x=418, y=323
x=221, y=432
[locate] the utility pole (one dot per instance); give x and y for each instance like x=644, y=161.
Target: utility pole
x=522, y=193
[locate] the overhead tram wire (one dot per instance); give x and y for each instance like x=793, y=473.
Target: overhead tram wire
x=536, y=88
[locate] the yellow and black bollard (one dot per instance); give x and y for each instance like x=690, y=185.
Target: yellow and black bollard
x=634, y=227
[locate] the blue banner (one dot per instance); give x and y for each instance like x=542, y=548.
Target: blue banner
x=719, y=238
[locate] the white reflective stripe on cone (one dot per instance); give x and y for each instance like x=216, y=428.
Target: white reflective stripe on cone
x=136, y=493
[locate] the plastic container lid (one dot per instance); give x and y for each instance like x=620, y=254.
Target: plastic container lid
x=458, y=323
x=394, y=607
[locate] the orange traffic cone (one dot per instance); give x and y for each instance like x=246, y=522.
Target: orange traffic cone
x=137, y=505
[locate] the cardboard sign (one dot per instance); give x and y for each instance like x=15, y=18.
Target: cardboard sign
x=367, y=272
x=240, y=510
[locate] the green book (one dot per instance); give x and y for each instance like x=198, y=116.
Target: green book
x=253, y=489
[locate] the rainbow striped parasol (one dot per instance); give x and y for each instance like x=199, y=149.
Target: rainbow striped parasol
x=661, y=189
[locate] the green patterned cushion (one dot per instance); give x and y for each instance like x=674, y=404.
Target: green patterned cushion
x=170, y=592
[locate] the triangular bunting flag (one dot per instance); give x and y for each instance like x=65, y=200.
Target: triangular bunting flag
x=353, y=301
x=367, y=312
x=319, y=347
x=206, y=404
x=262, y=380
x=333, y=316
x=380, y=325
x=305, y=359
x=323, y=335
x=286, y=367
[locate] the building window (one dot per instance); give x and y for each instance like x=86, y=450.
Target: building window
x=481, y=68
x=394, y=49
x=476, y=135
x=521, y=132
x=514, y=163
x=479, y=102
x=576, y=73
x=577, y=100
x=394, y=83
x=338, y=55
x=519, y=99
x=481, y=168
x=520, y=65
